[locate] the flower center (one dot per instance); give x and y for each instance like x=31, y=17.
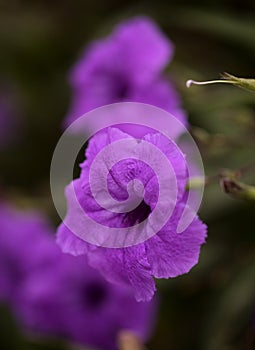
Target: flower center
x=139, y=214
x=122, y=92
x=95, y=294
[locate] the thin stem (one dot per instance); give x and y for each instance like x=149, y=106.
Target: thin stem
x=247, y=84
x=195, y=183
x=237, y=189
x=191, y=82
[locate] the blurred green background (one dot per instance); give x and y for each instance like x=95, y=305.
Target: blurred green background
x=213, y=307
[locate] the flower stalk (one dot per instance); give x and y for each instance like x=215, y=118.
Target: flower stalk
x=235, y=188
x=195, y=183
x=226, y=78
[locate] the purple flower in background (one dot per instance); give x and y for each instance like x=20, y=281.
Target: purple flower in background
x=125, y=66
x=166, y=253
x=25, y=245
x=72, y=300
x=58, y=295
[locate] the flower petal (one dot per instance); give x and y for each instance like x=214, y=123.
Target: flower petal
x=171, y=254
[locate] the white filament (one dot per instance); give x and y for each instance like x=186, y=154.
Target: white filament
x=191, y=82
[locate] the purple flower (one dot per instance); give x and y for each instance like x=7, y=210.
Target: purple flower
x=161, y=254
x=125, y=66
x=25, y=245
x=51, y=293
x=72, y=300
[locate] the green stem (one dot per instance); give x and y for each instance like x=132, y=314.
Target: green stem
x=195, y=183
x=247, y=84
x=237, y=189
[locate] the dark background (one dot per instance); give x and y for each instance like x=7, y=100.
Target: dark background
x=213, y=307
